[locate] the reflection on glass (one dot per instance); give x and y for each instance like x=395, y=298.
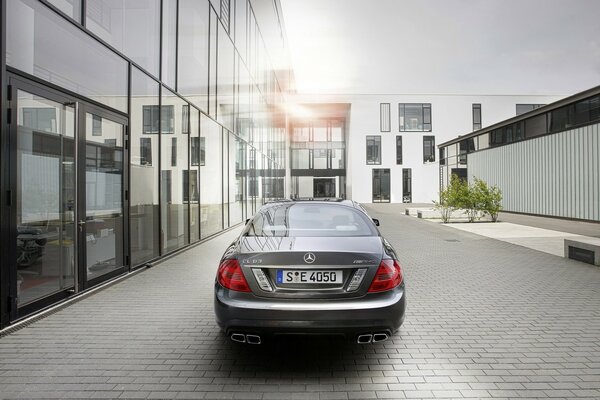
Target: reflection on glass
x=169, y=42
x=45, y=197
x=132, y=27
x=225, y=76
x=225, y=138
x=103, y=196
x=237, y=154
x=211, y=209
x=70, y=7
x=194, y=176
x=144, y=207
x=174, y=178
x=192, y=77
x=41, y=44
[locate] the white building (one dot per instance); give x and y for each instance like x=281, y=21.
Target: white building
x=381, y=144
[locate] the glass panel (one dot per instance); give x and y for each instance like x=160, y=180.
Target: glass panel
x=241, y=27
x=320, y=132
x=192, y=78
x=320, y=158
x=169, y=42
x=211, y=213
x=226, y=171
x=212, y=66
x=144, y=206
x=413, y=117
x=535, y=126
x=70, y=7
x=103, y=197
x=41, y=44
x=174, y=161
x=337, y=131
x=132, y=27
x=225, y=77
x=236, y=185
x=194, y=179
x=45, y=197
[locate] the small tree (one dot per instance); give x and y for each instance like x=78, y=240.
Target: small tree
x=450, y=197
x=489, y=198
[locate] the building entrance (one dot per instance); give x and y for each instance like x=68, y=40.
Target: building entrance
x=67, y=188
x=381, y=185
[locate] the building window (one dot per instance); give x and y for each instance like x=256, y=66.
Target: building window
x=96, y=125
x=428, y=149
x=225, y=12
x=146, y=151
x=476, y=117
x=384, y=117
x=373, y=149
x=150, y=116
x=185, y=120
x=523, y=108
x=173, y=152
x=190, y=186
x=198, y=152
x=414, y=117
x=398, y=150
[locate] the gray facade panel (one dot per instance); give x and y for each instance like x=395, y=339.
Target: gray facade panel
x=556, y=175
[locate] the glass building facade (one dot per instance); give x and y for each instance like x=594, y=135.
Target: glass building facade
x=130, y=130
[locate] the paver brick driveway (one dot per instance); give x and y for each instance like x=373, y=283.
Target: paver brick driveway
x=485, y=319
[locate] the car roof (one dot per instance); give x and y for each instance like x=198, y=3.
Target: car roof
x=310, y=200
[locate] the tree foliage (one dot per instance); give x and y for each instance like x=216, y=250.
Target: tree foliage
x=477, y=199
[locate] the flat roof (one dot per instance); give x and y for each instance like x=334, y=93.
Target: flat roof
x=542, y=110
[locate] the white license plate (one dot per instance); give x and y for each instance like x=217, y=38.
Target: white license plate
x=308, y=276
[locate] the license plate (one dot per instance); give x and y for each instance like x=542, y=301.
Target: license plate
x=308, y=276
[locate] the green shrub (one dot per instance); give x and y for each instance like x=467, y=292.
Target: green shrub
x=477, y=199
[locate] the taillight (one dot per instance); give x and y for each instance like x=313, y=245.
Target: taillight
x=388, y=276
x=231, y=277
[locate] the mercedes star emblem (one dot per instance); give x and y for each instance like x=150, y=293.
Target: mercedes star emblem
x=309, y=258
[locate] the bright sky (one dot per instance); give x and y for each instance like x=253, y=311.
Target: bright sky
x=444, y=46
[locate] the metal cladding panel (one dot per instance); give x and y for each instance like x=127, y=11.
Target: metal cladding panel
x=557, y=175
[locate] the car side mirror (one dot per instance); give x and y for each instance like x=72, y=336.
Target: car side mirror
x=248, y=220
x=375, y=221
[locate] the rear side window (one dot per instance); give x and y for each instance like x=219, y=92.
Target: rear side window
x=299, y=219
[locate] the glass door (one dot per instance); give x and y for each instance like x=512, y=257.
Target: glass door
x=45, y=190
x=101, y=222
x=67, y=196
x=381, y=185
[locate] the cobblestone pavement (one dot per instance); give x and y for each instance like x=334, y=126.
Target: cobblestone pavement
x=485, y=319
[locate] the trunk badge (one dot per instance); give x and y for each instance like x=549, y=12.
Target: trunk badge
x=309, y=258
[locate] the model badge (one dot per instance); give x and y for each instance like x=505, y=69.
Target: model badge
x=309, y=258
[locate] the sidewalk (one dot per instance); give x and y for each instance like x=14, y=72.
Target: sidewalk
x=544, y=234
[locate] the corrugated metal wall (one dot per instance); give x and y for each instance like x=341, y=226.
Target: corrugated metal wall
x=556, y=175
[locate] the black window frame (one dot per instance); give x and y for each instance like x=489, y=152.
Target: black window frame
x=398, y=150
x=426, y=117
x=146, y=151
x=476, y=116
x=385, y=111
x=373, y=159
x=429, y=158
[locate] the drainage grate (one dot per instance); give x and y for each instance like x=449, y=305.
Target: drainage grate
x=579, y=254
x=452, y=240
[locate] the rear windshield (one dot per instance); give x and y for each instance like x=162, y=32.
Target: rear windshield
x=299, y=219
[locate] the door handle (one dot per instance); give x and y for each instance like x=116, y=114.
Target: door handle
x=81, y=223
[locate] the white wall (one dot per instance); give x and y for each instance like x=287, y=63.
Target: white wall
x=451, y=116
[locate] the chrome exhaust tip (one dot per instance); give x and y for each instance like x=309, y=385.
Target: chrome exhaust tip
x=364, y=339
x=253, y=339
x=238, y=337
x=380, y=337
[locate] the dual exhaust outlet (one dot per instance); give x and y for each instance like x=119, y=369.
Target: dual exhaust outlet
x=372, y=338
x=362, y=339
x=242, y=338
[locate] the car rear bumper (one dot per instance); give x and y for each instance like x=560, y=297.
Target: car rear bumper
x=247, y=313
